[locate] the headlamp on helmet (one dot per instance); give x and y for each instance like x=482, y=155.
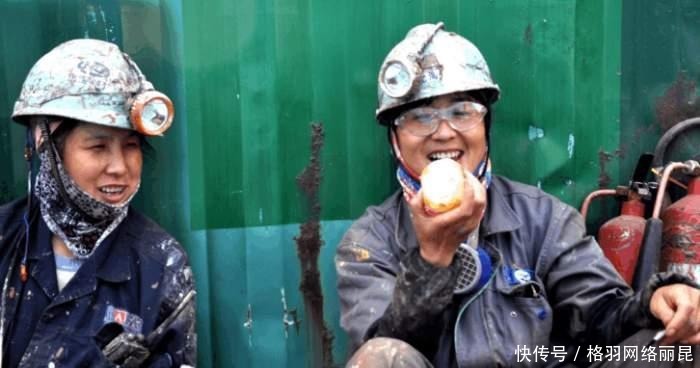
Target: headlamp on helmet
x=398, y=77
x=151, y=113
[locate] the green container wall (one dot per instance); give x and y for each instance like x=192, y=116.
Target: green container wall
x=580, y=82
x=660, y=70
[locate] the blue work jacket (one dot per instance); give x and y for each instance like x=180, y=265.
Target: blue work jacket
x=132, y=282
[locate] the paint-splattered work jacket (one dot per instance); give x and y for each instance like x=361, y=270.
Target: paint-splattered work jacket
x=133, y=281
x=574, y=296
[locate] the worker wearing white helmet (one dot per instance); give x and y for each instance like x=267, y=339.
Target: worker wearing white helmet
x=87, y=280
x=483, y=272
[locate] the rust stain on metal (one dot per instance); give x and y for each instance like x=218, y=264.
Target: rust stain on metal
x=604, y=179
x=604, y=157
x=527, y=36
x=678, y=103
x=309, y=244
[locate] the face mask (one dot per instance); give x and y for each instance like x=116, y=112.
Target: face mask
x=80, y=220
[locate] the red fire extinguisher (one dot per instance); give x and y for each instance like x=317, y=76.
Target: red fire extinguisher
x=680, y=251
x=677, y=229
x=676, y=236
x=621, y=237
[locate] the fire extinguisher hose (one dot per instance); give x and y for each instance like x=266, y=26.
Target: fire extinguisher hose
x=668, y=137
x=649, y=254
x=648, y=261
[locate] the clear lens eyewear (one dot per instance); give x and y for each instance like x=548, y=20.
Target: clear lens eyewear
x=424, y=121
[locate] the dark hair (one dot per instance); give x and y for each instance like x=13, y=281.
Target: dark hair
x=68, y=125
x=59, y=135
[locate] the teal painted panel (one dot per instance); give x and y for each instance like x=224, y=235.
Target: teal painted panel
x=250, y=269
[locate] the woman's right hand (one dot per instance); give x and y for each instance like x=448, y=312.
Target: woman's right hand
x=440, y=234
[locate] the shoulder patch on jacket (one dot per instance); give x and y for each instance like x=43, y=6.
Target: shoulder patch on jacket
x=131, y=322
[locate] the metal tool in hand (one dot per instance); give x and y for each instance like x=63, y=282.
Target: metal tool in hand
x=129, y=350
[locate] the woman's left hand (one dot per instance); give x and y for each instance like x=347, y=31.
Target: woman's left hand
x=678, y=307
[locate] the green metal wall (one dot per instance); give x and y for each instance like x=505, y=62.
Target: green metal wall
x=660, y=71
x=248, y=77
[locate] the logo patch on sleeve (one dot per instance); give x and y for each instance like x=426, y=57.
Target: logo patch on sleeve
x=131, y=322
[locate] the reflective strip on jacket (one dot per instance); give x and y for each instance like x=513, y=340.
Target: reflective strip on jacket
x=574, y=298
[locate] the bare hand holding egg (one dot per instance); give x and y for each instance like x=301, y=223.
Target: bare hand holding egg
x=448, y=207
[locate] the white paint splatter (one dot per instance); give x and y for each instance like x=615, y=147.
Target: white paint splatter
x=534, y=132
x=570, y=145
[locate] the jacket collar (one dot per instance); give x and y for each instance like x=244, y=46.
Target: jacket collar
x=114, y=262
x=404, y=233
x=111, y=261
x=500, y=216
x=40, y=258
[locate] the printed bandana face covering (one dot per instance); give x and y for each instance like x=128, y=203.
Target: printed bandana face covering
x=82, y=224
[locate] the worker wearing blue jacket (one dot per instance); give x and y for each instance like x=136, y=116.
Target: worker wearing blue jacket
x=87, y=281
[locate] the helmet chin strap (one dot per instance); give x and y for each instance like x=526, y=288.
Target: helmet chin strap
x=28, y=155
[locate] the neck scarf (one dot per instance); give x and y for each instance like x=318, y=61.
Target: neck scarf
x=82, y=222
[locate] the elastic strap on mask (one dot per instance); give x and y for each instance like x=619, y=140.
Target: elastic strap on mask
x=28, y=155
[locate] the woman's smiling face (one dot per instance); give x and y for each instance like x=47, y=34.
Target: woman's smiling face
x=466, y=147
x=105, y=162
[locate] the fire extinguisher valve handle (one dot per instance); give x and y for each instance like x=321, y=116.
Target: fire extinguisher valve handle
x=692, y=167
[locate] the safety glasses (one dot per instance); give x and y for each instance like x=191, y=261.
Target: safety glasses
x=424, y=121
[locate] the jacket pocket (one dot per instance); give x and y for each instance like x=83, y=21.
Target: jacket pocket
x=521, y=318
